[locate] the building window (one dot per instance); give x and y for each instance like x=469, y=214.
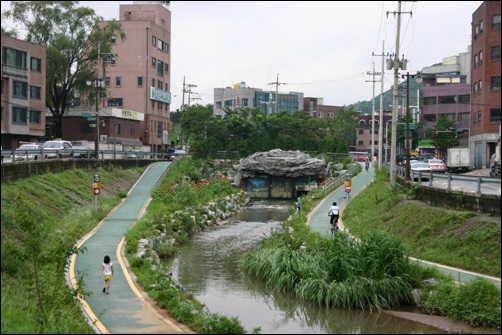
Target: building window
x=159, y=129
x=154, y=62
x=495, y=115
x=118, y=81
x=114, y=38
x=474, y=118
x=19, y=115
x=464, y=99
x=360, y=143
x=36, y=64
x=132, y=130
x=35, y=117
x=480, y=27
x=166, y=68
x=495, y=83
x=496, y=21
x=480, y=87
x=430, y=101
x=20, y=89
x=475, y=89
x=475, y=60
x=115, y=102
x=476, y=31
x=495, y=53
x=464, y=117
x=35, y=92
x=85, y=128
x=160, y=68
x=112, y=62
x=140, y=81
x=361, y=131
x=321, y=115
x=430, y=117
x=480, y=58
x=154, y=40
x=117, y=128
x=166, y=47
x=447, y=99
x=107, y=81
x=479, y=117
x=160, y=45
x=14, y=58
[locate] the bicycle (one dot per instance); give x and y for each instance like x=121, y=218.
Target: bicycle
x=334, y=227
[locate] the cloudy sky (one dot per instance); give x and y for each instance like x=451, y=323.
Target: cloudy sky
x=321, y=48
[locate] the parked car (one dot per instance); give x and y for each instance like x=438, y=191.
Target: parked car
x=176, y=152
x=420, y=167
x=33, y=151
x=83, y=151
x=135, y=154
x=413, y=160
x=437, y=165
x=57, y=149
x=495, y=169
x=425, y=157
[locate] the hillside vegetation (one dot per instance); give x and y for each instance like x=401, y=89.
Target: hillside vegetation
x=42, y=218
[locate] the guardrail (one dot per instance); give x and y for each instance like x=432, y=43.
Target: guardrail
x=431, y=176
x=64, y=153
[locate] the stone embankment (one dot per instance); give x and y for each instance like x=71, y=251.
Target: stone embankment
x=215, y=212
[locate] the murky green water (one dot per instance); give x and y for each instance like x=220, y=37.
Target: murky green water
x=208, y=267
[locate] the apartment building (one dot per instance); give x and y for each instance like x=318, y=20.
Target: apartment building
x=485, y=85
x=318, y=110
x=23, y=92
x=136, y=109
x=242, y=96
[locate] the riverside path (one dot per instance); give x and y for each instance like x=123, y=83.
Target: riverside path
x=318, y=220
x=125, y=309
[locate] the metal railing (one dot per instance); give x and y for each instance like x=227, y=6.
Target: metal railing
x=449, y=177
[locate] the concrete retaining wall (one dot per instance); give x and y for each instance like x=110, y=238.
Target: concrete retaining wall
x=14, y=171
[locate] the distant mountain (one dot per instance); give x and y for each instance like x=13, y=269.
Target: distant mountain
x=365, y=106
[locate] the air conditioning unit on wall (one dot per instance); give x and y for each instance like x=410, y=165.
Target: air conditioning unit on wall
x=102, y=138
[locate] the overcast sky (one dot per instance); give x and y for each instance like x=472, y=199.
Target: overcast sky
x=321, y=48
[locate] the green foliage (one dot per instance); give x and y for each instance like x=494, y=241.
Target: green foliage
x=42, y=216
x=477, y=302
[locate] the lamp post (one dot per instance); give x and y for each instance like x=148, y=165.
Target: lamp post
x=407, y=132
x=96, y=83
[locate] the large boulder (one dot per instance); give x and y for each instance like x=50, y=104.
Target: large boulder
x=278, y=163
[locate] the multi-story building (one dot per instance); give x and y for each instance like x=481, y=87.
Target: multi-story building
x=364, y=134
x=446, y=93
x=485, y=85
x=242, y=96
x=318, y=110
x=137, y=80
x=23, y=92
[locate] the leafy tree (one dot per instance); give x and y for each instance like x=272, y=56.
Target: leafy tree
x=72, y=36
x=443, y=134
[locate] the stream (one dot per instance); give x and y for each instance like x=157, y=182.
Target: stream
x=207, y=265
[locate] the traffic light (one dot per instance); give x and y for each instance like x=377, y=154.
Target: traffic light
x=438, y=132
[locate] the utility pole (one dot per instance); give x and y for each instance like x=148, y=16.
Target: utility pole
x=189, y=91
x=373, y=116
x=380, y=128
x=277, y=83
x=396, y=64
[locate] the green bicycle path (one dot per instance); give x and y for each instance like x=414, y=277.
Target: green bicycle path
x=124, y=310
x=318, y=220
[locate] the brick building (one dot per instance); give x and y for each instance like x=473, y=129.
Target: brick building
x=485, y=85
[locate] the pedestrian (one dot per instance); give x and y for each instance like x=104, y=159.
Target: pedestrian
x=334, y=213
x=107, y=271
x=367, y=165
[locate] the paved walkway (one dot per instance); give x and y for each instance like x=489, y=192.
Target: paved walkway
x=318, y=220
x=125, y=309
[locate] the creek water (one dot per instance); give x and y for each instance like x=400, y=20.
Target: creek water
x=208, y=267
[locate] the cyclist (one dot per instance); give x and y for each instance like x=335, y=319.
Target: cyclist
x=367, y=165
x=334, y=213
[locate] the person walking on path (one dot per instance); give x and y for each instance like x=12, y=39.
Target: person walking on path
x=107, y=271
x=334, y=212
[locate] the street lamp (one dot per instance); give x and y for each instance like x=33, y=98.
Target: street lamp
x=96, y=83
x=407, y=132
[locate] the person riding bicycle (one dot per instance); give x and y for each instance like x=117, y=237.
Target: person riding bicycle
x=334, y=213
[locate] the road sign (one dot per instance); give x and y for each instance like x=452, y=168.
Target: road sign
x=96, y=185
x=412, y=126
x=92, y=125
x=348, y=177
x=96, y=191
x=91, y=119
x=408, y=134
x=348, y=189
x=96, y=178
x=347, y=183
x=86, y=114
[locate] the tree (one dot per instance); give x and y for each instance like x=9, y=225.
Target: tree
x=72, y=36
x=444, y=134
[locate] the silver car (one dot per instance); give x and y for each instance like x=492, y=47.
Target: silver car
x=29, y=151
x=437, y=165
x=57, y=149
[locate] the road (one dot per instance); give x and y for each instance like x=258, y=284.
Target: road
x=318, y=220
